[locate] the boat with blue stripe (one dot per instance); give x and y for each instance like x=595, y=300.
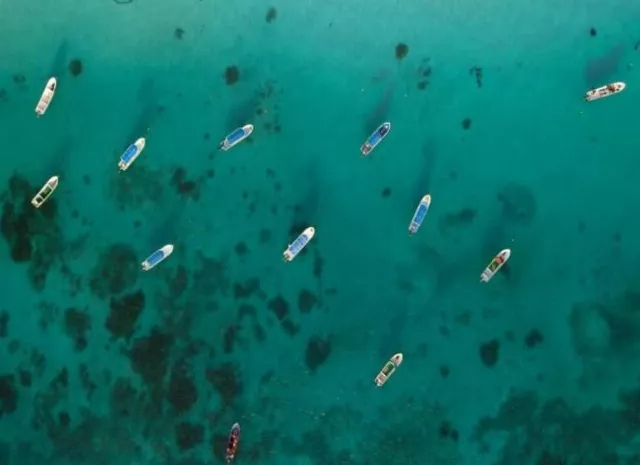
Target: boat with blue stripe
x=375, y=138
x=300, y=243
x=130, y=155
x=419, y=215
x=236, y=137
x=156, y=257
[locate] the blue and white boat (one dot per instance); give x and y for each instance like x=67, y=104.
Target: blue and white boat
x=300, y=243
x=130, y=155
x=420, y=214
x=375, y=138
x=236, y=137
x=156, y=257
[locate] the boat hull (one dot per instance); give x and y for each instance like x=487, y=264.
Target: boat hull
x=45, y=192
x=605, y=91
x=232, y=443
x=131, y=154
x=388, y=369
x=47, y=96
x=375, y=138
x=156, y=257
x=494, y=266
x=232, y=140
x=419, y=215
x=295, y=248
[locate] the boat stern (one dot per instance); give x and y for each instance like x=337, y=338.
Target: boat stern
x=380, y=379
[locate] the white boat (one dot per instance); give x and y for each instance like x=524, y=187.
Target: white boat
x=605, y=91
x=419, y=214
x=300, y=243
x=495, y=265
x=132, y=152
x=46, y=97
x=388, y=369
x=375, y=138
x=156, y=257
x=43, y=194
x=236, y=137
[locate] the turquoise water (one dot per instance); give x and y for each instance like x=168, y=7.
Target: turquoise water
x=103, y=364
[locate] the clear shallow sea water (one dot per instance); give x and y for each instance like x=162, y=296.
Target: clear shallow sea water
x=103, y=364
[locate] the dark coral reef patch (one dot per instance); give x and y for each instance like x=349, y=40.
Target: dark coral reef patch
x=147, y=186
x=518, y=203
x=75, y=67
x=552, y=432
x=306, y=301
x=115, y=271
x=123, y=315
x=490, y=352
x=271, y=15
x=76, y=325
x=8, y=395
x=185, y=187
x=231, y=75
x=317, y=352
x=188, y=436
x=33, y=235
x=402, y=50
x=226, y=382
x=182, y=394
x=149, y=357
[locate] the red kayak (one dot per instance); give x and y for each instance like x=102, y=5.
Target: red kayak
x=232, y=443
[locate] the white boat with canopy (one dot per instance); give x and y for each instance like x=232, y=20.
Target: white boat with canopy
x=45, y=192
x=46, y=97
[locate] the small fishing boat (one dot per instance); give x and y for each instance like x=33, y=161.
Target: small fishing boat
x=388, y=369
x=300, y=243
x=130, y=155
x=375, y=138
x=420, y=214
x=495, y=265
x=232, y=443
x=156, y=257
x=46, y=97
x=236, y=137
x=605, y=91
x=43, y=194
